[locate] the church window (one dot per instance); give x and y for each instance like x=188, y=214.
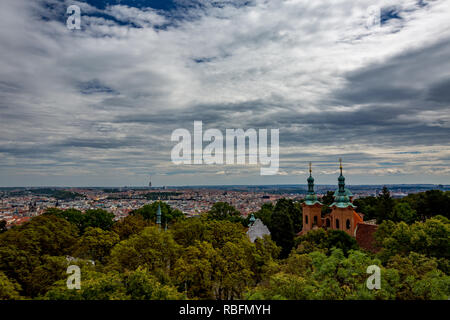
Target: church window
x=347, y=224
x=315, y=220
x=306, y=219
x=337, y=223
x=328, y=223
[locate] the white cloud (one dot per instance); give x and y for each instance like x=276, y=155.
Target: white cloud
x=278, y=64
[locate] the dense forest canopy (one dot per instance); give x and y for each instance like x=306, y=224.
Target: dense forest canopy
x=211, y=257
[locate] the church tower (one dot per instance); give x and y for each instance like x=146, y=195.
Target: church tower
x=311, y=207
x=343, y=215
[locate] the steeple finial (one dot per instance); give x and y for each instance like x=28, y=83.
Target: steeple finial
x=340, y=165
x=310, y=170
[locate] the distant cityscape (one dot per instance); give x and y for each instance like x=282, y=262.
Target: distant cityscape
x=18, y=205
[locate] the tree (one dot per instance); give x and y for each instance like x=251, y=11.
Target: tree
x=98, y=218
x=194, y=270
x=418, y=278
x=284, y=221
x=218, y=260
x=265, y=213
x=28, y=253
x=319, y=276
x=430, y=203
x=142, y=285
x=3, y=226
x=325, y=241
x=224, y=211
x=385, y=205
x=282, y=231
x=72, y=215
x=168, y=215
x=367, y=206
x=130, y=225
x=327, y=200
x=430, y=238
x=153, y=249
x=403, y=212
x=133, y=285
x=215, y=232
x=95, y=286
x=9, y=289
x=294, y=210
x=42, y=235
x=96, y=244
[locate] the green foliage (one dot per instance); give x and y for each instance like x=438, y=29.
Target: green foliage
x=419, y=206
x=318, y=276
x=429, y=204
x=282, y=231
x=3, y=226
x=367, y=206
x=284, y=221
x=202, y=229
x=152, y=248
x=205, y=258
x=385, y=205
x=327, y=200
x=9, y=289
x=95, y=218
x=96, y=244
x=402, y=211
x=219, y=261
x=30, y=253
x=324, y=241
x=168, y=215
x=130, y=225
x=135, y=285
x=431, y=238
x=98, y=218
x=225, y=211
x=418, y=278
x=265, y=213
x=42, y=235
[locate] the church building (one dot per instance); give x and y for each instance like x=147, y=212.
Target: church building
x=343, y=214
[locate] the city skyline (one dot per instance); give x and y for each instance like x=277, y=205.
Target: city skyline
x=97, y=106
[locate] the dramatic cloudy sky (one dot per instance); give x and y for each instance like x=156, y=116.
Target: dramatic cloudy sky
x=97, y=106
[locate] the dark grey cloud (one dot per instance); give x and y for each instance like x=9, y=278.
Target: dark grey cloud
x=440, y=92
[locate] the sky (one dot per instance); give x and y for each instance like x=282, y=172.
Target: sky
x=97, y=106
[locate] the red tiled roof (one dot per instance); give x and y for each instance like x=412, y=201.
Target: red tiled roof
x=364, y=236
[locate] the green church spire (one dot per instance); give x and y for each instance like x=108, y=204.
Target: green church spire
x=251, y=220
x=311, y=197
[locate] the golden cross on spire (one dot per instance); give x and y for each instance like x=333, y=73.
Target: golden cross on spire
x=340, y=164
x=310, y=170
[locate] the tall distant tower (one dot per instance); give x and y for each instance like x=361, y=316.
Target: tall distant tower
x=312, y=207
x=150, y=183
